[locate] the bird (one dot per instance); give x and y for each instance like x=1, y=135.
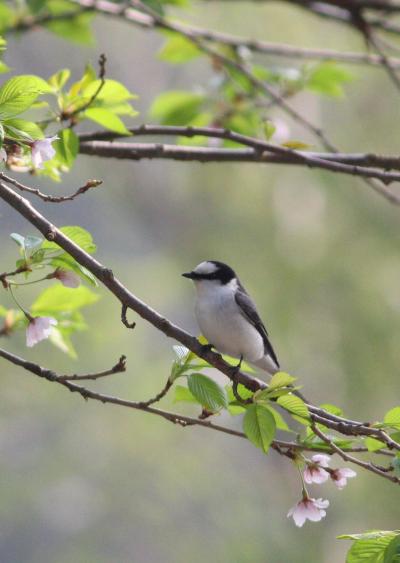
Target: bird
x=228, y=317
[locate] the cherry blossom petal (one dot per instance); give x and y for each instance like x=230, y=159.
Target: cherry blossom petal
x=39, y=328
x=42, y=150
x=340, y=476
x=68, y=278
x=322, y=459
x=308, y=509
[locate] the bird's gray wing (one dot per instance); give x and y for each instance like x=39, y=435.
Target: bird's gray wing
x=249, y=311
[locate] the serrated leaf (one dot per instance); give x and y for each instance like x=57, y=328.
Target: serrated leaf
x=207, y=391
x=259, y=426
x=18, y=94
x=280, y=379
x=279, y=420
x=20, y=129
x=294, y=405
x=370, y=550
x=107, y=119
x=58, y=298
x=333, y=409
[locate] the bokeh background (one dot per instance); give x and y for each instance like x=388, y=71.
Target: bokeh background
x=87, y=483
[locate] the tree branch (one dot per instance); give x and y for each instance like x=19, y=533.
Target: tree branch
x=106, y=276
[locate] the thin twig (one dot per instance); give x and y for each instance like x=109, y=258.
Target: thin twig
x=119, y=367
x=49, y=198
x=382, y=472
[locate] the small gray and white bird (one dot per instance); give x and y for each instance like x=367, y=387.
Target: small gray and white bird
x=228, y=317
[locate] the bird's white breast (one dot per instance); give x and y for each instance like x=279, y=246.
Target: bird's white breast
x=222, y=323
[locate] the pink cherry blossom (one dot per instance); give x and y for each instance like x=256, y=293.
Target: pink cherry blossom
x=3, y=155
x=308, y=509
x=314, y=471
x=67, y=278
x=42, y=150
x=39, y=328
x=340, y=476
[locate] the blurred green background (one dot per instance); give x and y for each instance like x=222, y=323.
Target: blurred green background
x=87, y=483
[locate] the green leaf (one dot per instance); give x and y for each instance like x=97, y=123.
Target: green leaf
x=106, y=118
x=3, y=67
x=294, y=405
x=67, y=147
x=328, y=78
x=279, y=420
x=183, y=395
x=78, y=235
x=19, y=239
x=59, y=79
x=280, y=379
x=208, y=393
x=58, y=298
x=66, y=262
x=176, y=107
x=177, y=50
x=111, y=94
x=333, y=409
x=259, y=426
x=18, y=94
x=373, y=445
x=392, y=553
x=32, y=243
x=371, y=548
x=20, y=129
x=392, y=418
x=76, y=28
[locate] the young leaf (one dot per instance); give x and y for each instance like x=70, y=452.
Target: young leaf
x=67, y=147
x=177, y=50
x=18, y=94
x=294, y=405
x=19, y=239
x=280, y=379
x=207, y=391
x=183, y=395
x=76, y=28
x=59, y=79
x=373, y=445
x=259, y=426
x=392, y=418
x=22, y=130
x=59, y=299
x=79, y=235
x=107, y=119
x=176, y=107
x=328, y=78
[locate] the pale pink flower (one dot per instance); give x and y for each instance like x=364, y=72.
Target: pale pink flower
x=42, y=150
x=67, y=278
x=340, y=476
x=3, y=155
x=308, y=509
x=39, y=328
x=314, y=471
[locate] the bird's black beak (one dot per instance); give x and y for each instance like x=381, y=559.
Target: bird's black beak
x=190, y=275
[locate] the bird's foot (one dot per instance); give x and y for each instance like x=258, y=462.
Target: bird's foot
x=234, y=371
x=207, y=347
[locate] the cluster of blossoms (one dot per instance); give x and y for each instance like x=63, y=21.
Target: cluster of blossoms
x=39, y=328
x=318, y=471
x=41, y=151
